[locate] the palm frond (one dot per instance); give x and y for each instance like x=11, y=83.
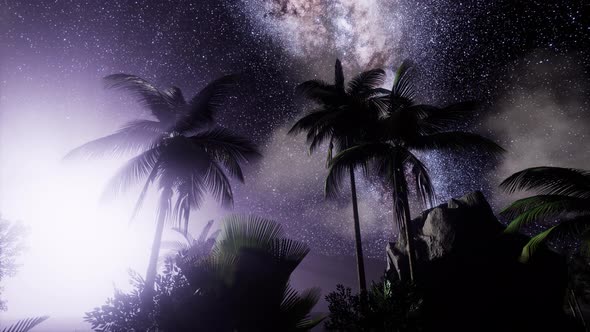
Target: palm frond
x=25, y=325
x=134, y=170
x=550, y=181
x=354, y=157
x=309, y=121
x=227, y=148
x=203, y=107
x=435, y=120
x=366, y=82
x=136, y=136
x=218, y=185
x=148, y=95
x=577, y=226
x=550, y=209
x=423, y=183
x=457, y=141
x=295, y=308
x=523, y=205
x=247, y=232
x=318, y=91
x=402, y=92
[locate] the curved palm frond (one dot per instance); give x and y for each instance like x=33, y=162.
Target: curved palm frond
x=25, y=325
x=135, y=170
x=295, y=308
x=147, y=95
x=202, y=107
x=457, y=141
x=355, y=157
x=550, y=181
x=578, y=226
x=309, y=121
x=227, y=149
x=247, y=232
x=318, y=91
x=547, y=210
x=434, y=120
x=525, y=204
x=423, y=184
x=402, y=92
x=366, y=82
x=135, y=136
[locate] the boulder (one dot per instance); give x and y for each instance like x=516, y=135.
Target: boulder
x=472, y=280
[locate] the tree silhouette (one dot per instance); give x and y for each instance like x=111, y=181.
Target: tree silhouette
x=341, y=118
x=564, y=196
x=404, y=127
x=182, y=151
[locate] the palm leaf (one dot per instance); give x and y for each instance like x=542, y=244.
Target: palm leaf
x=226, y=148
x=318, y=91
x=203, y=107
x=402, y=92
x=148, y=95
x=523, y=205
x=135, y=170
x=550, y=209
x=577, y=226
x=354, y=157
x=25, y=325
x=435, y=120
x=135, y=136
x=247, y=232
x=550, y=181
x=366, y=82
x=457, y=141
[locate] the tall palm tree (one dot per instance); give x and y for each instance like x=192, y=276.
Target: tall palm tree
x=564, y=196
x=341, y=118
x=181, y=150
x=405, y=127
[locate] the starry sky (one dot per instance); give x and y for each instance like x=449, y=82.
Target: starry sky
x=526, y=62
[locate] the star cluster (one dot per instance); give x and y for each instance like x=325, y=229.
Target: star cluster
x=507, y=55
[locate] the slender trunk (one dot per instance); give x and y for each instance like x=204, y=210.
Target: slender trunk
x=400, y=186
x=409, y=240
x=360, y=262
x=147, y=295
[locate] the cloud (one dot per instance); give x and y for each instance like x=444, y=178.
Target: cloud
x=543, y=120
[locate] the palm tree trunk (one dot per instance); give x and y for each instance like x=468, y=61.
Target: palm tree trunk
x=400, y=187
x=360, y=261
x=150, y=276
x=409, y=241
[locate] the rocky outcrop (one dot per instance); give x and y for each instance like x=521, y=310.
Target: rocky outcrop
x=470, y=273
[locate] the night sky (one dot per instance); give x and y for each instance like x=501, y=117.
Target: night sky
x=527, y=62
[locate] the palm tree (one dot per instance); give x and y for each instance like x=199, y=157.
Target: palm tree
x=405, y=127
x=341, y=119
x=563, y=196
x=181, y=150
x=244, y=283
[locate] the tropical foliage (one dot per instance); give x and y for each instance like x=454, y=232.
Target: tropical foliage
x=563, y=198
x=242, y=284
x=403, y=128
x=181, y=150
x=25, y=325
x=12, y=235
x=342, y=117
x=392, y=306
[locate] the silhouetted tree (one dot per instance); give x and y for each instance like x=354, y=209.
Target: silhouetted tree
x=181, y=150
x=341, y=118
x=406, y=126
x=11, y=246
x=564, y=196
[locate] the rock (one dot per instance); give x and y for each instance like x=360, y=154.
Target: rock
x=470, y=273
